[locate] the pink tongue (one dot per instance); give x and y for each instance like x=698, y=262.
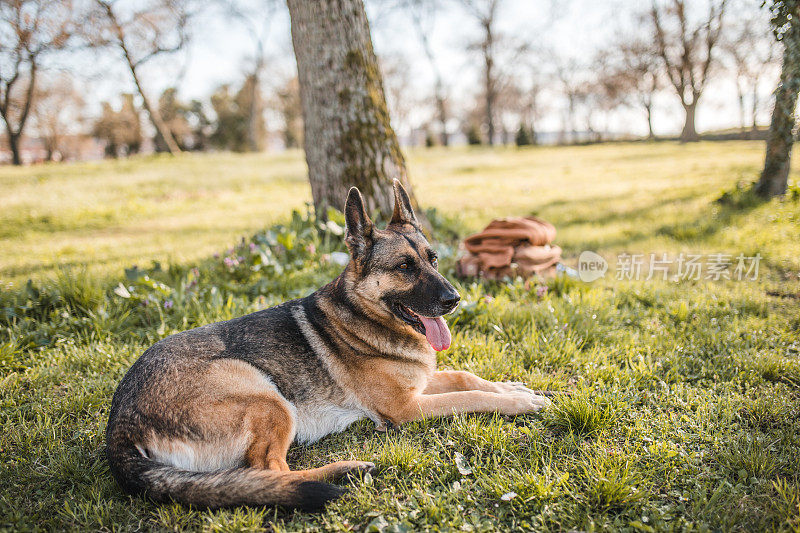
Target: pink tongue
x=437, y=332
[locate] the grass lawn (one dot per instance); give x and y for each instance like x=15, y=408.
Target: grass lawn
x=685, y=405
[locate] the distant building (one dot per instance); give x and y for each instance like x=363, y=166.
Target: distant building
x=71, y=148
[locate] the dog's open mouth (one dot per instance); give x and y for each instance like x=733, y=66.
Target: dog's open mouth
x=435, y=329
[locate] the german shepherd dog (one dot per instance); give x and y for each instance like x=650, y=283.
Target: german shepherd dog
x=205, y=417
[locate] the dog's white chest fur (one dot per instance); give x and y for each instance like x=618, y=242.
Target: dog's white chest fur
x=316, y=419
x=312, y=422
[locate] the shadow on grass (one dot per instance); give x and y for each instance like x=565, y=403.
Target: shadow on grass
x=686, y=222
x=729, y=208
x=601, y=217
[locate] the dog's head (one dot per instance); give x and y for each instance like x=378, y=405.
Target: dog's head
x=395, y=271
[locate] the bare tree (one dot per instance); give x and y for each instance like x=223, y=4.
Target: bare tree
x=423, y=15
x=508, y=108
x=596, y=98
x=573, y=86
x=588, y=94
x=786, y=25
x=57, y=110
x=633, y=75
x=606, y=93
x=30, y=30
x=142, y=32
x=348, y=137
x=751, y=51
x=531, y=102
x=396, y=73
x=255, y=16
x=687, y=51
x=485, y=13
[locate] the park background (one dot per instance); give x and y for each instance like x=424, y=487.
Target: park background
x=221, y=74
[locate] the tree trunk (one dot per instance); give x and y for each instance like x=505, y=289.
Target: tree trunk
x=348, y=140
x=439, y=95
x=15, y=137
x=742, y=125
x=162, y=131
x=255, y=110
x=650, y=134
x=489, y=81
x=50, y=149
x=689, y=133
x=490, y=98
x=573, y=127
x=754, y=127
x=13, y=145
x=774, y=177
x=442, y=113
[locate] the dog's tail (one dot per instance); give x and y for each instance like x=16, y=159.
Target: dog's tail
x=138, y=474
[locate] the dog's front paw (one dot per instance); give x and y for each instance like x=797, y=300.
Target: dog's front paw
x=513, y=387
x=525, y=402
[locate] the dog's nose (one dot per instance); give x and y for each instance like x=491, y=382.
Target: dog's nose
x=449, y=302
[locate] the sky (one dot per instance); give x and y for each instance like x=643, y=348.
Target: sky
x=222, y=49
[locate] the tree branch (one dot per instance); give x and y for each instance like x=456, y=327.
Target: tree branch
x=661, y=40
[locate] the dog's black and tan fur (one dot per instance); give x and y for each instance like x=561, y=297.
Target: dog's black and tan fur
x=205, y=417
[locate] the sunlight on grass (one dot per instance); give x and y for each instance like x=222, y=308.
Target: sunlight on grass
x=683, y=404
x=611, y=482
x=583, y=414
x=111, y=214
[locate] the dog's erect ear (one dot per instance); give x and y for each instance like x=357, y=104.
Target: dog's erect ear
x=359, y=225
x=403, y=213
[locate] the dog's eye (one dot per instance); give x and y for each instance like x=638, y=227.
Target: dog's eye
x=402, y=266
x=435, y=262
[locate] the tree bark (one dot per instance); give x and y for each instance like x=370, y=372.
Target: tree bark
x=742, y=120
x=50, y=149
x=441, y=108
x=255, y=110
x=15, y=137
x=348, y=138
x=489, y=81
x=13, y=145
x=689, y=133
x=155, y=118
x=775, y=175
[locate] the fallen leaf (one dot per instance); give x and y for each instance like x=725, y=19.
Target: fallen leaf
x=463, y=465
x=122, y=291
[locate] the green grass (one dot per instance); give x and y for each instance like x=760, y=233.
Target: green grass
x=112, y=214
x=685, y=405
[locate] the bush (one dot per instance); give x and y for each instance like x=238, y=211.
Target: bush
x=524, y=136
x=474, y=135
